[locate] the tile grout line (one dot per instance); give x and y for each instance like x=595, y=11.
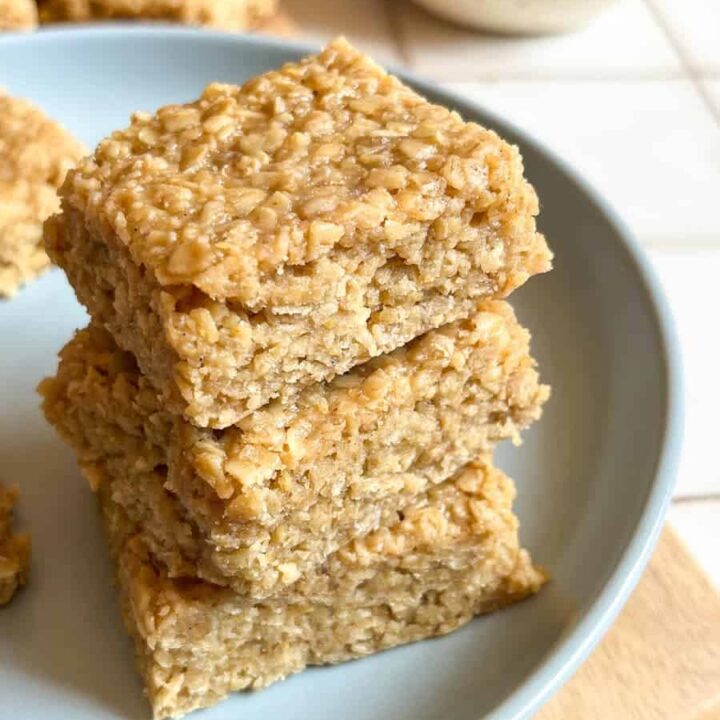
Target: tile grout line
x=667, y=30
x=702, y=497
x=693, y=74
x=619, y=76
x=398, y=36
x=691, y=244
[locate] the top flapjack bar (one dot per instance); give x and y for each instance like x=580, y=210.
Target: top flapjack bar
x=269, y=236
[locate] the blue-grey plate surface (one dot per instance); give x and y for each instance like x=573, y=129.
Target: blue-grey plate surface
x=594, y=476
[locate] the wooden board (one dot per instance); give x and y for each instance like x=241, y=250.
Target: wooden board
x=661, y=658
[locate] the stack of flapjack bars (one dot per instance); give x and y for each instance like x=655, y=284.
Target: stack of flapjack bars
x=298, y=365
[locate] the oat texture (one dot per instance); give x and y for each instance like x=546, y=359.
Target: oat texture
x=258, y=504
x=221, y=14
x=18, y=15
x=14, y=549
x=273, y=235
x=453, y=555
x=35, y=155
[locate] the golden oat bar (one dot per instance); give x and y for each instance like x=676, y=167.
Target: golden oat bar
x=271, y=497
x=452, y=555
x=35, y=154
x=277, y=234
x=18, y=15
x=14, y=549
x=221, y=14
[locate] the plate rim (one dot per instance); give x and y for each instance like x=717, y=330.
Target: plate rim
x=568, y=653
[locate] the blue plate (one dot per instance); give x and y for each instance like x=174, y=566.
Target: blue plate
x=594, y=476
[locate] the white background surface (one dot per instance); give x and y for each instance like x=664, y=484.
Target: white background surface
x=633, y=101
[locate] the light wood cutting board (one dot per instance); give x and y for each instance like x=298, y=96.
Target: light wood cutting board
x=661, y=658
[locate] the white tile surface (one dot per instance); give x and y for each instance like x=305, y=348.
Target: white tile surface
x=364, y=23
x=698, y=525
x=625, y=42
x=712, y=92
x=691, y=282
x=652, y=148
x=695, y=27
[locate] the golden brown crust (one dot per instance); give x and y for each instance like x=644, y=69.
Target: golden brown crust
x=35, y=155
x=327, y=157
x=14, y=549
x=18, y=15
x=396, y=585
x=270, y=498
x=221, y=14
x=274, y=235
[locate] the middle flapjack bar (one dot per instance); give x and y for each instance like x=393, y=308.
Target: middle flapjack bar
x=273, y=496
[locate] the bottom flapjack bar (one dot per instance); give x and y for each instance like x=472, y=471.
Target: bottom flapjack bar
x=453, y=554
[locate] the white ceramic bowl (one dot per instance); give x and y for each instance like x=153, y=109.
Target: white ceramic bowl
x=525, y=17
